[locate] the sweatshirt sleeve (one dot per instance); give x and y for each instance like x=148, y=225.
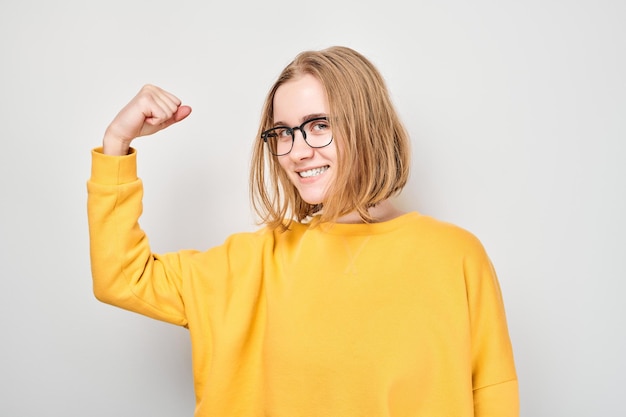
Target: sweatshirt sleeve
x=125, y=272
x=494, y=377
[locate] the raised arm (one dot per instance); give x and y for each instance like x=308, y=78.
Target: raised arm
x=125, y=272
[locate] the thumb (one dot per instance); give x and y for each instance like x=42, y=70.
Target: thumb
x=181, y=113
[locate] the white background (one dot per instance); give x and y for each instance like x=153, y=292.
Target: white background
x=516, y=111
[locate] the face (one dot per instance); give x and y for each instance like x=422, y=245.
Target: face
x=311, y=170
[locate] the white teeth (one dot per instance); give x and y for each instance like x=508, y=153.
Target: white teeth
x=312, y=172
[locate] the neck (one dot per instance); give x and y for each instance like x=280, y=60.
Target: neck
x=381, y=212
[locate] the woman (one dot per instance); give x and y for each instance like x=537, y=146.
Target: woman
x=342, y=305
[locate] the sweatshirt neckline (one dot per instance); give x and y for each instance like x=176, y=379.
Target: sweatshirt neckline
x=364, y=228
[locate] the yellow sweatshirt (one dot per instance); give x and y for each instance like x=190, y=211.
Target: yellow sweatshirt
x=400, y=318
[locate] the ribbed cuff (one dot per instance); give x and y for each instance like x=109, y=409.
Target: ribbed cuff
x=113, y=170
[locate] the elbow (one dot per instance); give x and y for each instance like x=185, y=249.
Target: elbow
x=102, y=295
x=105, y=294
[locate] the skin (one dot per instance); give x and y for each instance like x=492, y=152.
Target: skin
x=151, y=110
x=299, y=100
x=294, y=103
x=154, y=109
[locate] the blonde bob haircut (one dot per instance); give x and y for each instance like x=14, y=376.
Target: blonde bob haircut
x=372, y=144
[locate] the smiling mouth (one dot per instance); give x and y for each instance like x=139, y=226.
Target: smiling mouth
x=313, y=172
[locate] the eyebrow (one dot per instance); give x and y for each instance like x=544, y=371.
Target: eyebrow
x=302, y=119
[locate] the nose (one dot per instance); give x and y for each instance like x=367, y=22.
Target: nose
x=300, y=149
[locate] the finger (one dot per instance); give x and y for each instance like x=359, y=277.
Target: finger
x=160, y=111
x=171, y=97
x=163, y=97
x=168, y=100
x=156, y=116
x=181, y=113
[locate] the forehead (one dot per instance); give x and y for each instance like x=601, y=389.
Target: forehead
x=298, y=98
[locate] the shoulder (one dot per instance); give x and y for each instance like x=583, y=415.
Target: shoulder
x=451, y=246
x=443, y=234
x=261, y=241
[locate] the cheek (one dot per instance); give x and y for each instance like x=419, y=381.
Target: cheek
x=285, y=172
x=332, y=151
x=283, y=162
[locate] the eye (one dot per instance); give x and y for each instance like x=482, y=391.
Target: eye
x=281, y=134
x=318, y=126
x=278, y=133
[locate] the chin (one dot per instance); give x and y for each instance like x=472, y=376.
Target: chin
x=311, y=198
x=312, y=193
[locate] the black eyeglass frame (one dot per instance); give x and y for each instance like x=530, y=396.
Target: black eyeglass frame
x=292, y=132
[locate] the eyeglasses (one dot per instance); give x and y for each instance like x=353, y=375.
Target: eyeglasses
x=316, y=133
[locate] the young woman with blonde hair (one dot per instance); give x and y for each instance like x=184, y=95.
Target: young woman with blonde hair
x=341, y=305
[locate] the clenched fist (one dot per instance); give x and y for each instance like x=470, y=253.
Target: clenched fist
x=151, y=110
